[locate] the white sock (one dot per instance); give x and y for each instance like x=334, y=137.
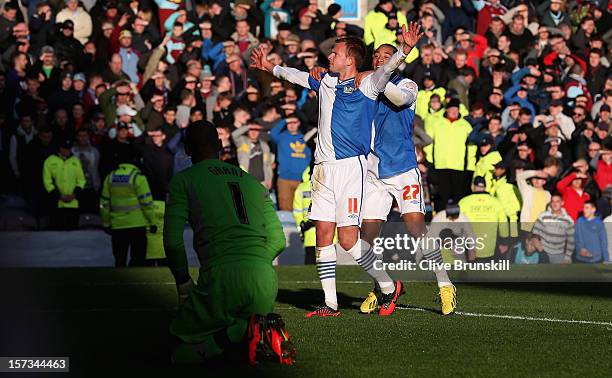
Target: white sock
x=362, y=253
x=326, y=266
x=441, y=274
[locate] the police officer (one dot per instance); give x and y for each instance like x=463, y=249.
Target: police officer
x=126, y=207
x=301, y=204
x=64, y=179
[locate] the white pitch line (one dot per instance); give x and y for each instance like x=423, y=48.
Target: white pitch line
x=516, y=317
x=461, y=313
x=144, y=283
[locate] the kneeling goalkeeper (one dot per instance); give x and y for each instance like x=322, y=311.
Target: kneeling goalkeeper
x=236, y=234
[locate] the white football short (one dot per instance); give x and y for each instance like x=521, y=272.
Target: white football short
x=405, y=188
x=338, y=188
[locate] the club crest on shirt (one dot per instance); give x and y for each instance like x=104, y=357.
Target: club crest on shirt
x=348, y=89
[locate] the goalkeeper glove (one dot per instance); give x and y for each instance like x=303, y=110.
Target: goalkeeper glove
x=183, y=291
x=305, y=226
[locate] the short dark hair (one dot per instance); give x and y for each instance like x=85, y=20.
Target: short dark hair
x=591, y=202
x=201, y=138
x=10, y=5
x=389, y=46
x=551, y=161
x=596, y=51
x=556, y=194
x=355, y=48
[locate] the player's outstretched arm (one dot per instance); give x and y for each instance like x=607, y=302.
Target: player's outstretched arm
x=403, y=94
x=381, y=76
x=177, y=211
x=259, y=61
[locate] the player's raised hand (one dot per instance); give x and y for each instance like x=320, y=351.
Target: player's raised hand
x=259, y=60
x=411, y=36
x=316, y=73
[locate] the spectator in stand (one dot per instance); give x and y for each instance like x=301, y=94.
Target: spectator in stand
x=18, y=146
x=125, y=118
x=591, y=237
x=556, y=229
x=487, y=13
x=571, y=188
x=535, y=197
x=64, y=181
x=157, y=163
x=551, y=13
x=602, y=163
x=528, y=250
x=293, y=156
x=89, y=156
x=274, y=16
x=129, y=55
x=80, y=18
x=121, y=93
x=253, y=152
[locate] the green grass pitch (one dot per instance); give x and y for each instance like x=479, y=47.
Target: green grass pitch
x=116, y=320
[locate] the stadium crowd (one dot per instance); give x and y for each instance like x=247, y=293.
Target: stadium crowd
x=516, y=92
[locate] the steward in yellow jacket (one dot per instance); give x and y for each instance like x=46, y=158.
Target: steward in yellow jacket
x=301, y=205
x=507, y=194
x=487, y=216
x=380, y=29
x=488, y=159
x=452, y=154
x=63, y=179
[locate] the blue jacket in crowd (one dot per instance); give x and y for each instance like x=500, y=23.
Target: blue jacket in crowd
x=591, y=235
x=292, y=153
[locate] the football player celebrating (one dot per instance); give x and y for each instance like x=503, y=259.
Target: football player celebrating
x=343, y=142
x=393, y=174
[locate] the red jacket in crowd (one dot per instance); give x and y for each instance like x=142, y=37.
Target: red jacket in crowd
x=573, y=202
x=603, y=177
x=486, y=14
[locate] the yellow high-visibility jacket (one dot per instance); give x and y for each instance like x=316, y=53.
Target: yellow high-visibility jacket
x=65, y=176
x=126, y=200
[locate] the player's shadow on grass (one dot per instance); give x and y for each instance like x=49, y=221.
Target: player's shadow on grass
x=307, y=299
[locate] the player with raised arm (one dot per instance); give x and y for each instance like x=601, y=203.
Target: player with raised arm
x=236, y=234
x=343, y=142
x=393, y=174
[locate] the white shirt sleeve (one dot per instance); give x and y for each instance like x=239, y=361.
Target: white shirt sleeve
x=402, y=94
x=375, y=83
x=296, y=76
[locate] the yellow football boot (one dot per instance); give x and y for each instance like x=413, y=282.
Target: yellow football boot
x=370, y=304
x=448, y=297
